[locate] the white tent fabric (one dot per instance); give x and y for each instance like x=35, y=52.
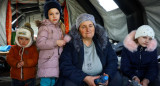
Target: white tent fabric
x=116, y=30
x=3, y=10
x=152, y=8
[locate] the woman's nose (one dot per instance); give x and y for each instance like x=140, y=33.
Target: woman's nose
x=87, y=28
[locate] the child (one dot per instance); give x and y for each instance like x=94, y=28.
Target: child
x=23, y=58
x=50, y=42
x=139, y=56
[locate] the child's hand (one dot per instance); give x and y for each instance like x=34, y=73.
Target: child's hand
x=60, y=43
x=20, y=64
x=67, y=38
x=145, y=82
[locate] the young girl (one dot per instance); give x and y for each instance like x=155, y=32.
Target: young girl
x=50, y=42
x=23, y=58
x=139, y=56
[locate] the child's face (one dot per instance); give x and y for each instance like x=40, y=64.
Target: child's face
x=23, y=41
x=144, y=40
x=54, y=15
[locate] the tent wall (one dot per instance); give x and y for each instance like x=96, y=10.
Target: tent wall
x=3, y=10
x=89, y=8
x=152, y=8
x=134, y=11
x=116, y=30
x=117, y=23
x=74, y=9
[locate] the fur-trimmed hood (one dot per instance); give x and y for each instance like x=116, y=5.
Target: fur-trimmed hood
x=45, y=22
x=130, y=44
x=100, y=37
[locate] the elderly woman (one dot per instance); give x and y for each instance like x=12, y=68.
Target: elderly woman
x=87, y=56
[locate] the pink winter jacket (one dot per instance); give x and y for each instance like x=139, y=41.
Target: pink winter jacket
x=48, y=34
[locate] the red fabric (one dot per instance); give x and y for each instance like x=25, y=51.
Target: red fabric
x=66, y=19
x=9, y=23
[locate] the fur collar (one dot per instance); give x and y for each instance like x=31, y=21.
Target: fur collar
x=45, y=22
x=100, y=37
x=130, y=44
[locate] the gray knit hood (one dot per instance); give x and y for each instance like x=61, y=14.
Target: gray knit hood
x=100, y=37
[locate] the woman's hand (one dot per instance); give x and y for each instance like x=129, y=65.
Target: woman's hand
x=107, y=80
x=145, y=82
x=106, y=83
x=90, y=80
x=136, y=79
x=60, y=43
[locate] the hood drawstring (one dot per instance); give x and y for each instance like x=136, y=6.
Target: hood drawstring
x=21, y=54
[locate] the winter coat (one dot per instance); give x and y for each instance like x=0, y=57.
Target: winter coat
x=48, y=62
x=139, y=61
x=72, y=57
x=30, y=58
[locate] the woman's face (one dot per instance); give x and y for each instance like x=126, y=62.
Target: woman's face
x=23, y=41
x=144, y=40
x=87, y=30
x=54, y=15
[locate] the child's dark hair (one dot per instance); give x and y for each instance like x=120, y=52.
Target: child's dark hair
x=136, y=41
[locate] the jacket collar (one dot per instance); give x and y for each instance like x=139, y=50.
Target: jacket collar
x=130, y=44
x=46, y=22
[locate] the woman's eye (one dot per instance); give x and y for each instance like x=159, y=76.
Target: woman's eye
x=83, y=27
x=91, y=26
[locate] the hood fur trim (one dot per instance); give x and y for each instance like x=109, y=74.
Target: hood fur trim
x=100, y=36
x=45, y=22
x=130, y=44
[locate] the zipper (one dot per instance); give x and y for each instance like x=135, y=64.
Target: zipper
x=140, y=52
x=141, y=49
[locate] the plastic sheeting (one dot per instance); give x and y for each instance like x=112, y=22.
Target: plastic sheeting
x=74, y=9
x=3, y=10
x=152, y=8
x=114, y=22
x=116, y=30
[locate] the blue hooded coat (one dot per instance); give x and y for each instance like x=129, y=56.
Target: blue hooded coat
x=72, y=57
x=139, y=61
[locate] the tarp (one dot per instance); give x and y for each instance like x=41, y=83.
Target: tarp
x=116, y=30
x=3, y=10
x=114, y=22
x=74, y=9
x=152, y=8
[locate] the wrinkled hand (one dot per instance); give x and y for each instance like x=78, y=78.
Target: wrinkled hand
x=90, y=80
x=60, y=43
x=20, y=64
x=106, y=83
x=136, y=79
